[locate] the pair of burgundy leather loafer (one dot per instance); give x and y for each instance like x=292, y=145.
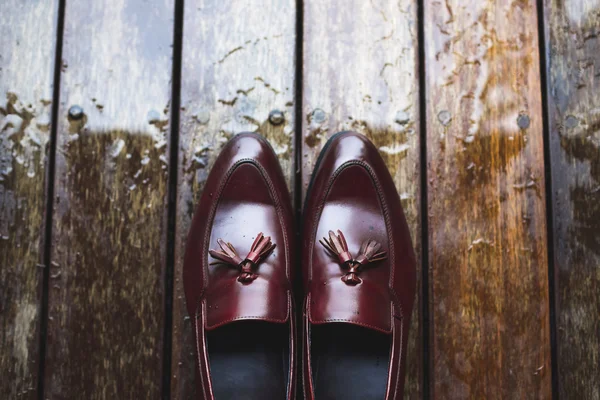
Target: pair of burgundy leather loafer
x=356, y=259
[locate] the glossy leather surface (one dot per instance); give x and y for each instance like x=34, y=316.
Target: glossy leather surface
x=352, y=191
x=245, y=194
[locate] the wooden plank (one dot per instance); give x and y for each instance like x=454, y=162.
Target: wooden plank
x=27, y=51
x=572, y=65
x=360, y=74
x=486, y=195
x=237, y=67
x=106, y=295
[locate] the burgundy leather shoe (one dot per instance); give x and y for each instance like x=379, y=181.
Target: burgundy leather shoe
x=237, y=274
x=359, y=276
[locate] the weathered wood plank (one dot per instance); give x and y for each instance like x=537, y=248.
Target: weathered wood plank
x=572, y=64
x=106, y=300
x=486, y=196
x=27, y=51
x=360, y=73
x=237, y=67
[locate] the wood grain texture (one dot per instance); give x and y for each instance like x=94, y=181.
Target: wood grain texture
x=360, y=74
x=237, y=67
x=486, y=195
x=27, y=51
x=106, y=287
x=573, y=58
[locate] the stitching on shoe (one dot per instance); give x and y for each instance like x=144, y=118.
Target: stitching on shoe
x=401, y=354
x=306, y=345
x=352, y=322
x=321, y=321
x=256, y=317
x=198, y=353
x=200, y=371
x=292, y=359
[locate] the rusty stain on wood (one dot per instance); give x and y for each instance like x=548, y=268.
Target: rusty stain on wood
x=573, y=55
x=106, y=299
x=237, y=67
x=27, y=47
x=487, y=228
x=360, y=73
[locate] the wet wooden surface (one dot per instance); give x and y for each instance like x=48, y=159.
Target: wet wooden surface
x=27, y=38
x=573, y=57
x=486, y=201
x=106, y=287
x=238, y=69
x=360, y=73
x=486, y=235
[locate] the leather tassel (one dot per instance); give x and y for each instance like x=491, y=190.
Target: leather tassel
x=337, y=245
x=260, y=248
x=228, y=254
x=370, y=252
x=351, y=277
x=246, y=275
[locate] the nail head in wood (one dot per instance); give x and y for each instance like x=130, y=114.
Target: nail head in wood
x=445, y=117
x=318, y=115
x=523, y=121
x=75, y=112
x=571, y=122
x=276, y=117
